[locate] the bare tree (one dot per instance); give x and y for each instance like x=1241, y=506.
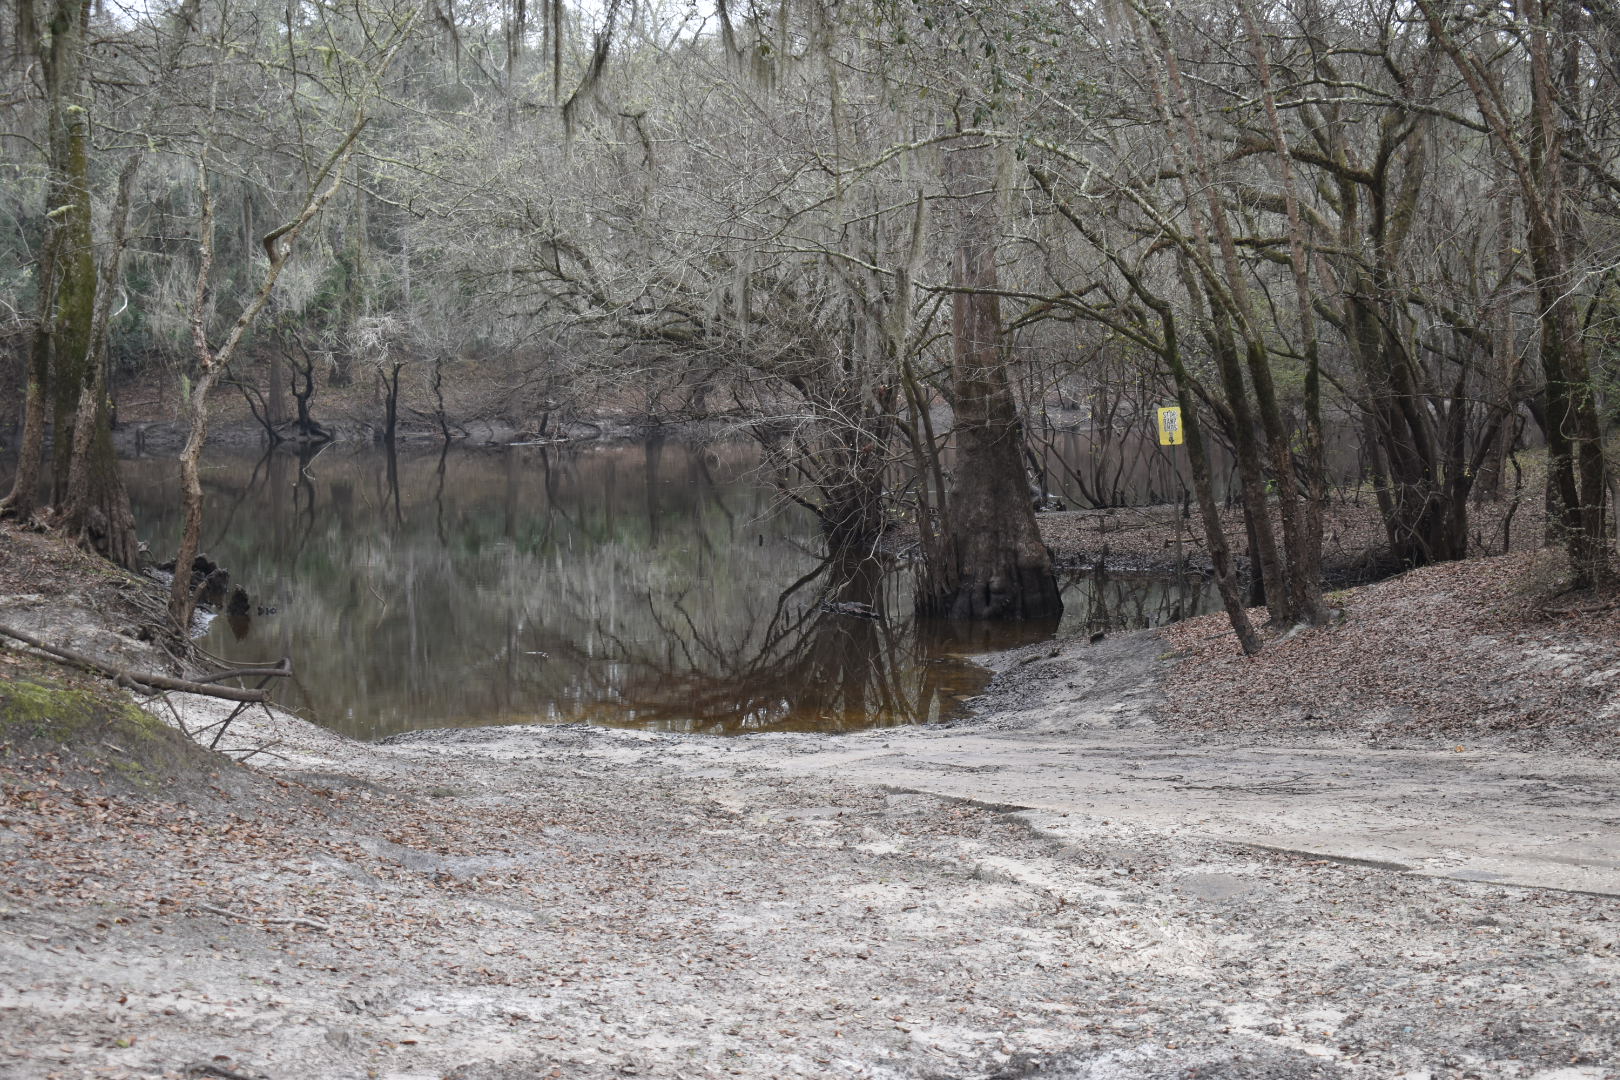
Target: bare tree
x=1539, y=51
x=323, y=183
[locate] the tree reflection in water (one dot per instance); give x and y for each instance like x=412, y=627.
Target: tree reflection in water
x=652, y=584
x=1103, y=602
x=838, y=651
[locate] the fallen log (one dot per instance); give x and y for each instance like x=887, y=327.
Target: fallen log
x=152, y=681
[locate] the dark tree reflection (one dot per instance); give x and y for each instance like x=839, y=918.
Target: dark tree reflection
x=657, y=585
x=837, y=651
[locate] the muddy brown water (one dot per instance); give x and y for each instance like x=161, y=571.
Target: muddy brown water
x=652, y=584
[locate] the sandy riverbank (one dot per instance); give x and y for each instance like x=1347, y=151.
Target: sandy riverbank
x=1058, y=887
x=579, y=903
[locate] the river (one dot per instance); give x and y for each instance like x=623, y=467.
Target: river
x=652, y=584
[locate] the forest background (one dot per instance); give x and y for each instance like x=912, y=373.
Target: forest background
x=889, y=236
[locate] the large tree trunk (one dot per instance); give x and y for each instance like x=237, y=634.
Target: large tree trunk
x=275, y=401
x=1268, y=567
x=68, y=363
x=1302, y=518
x=70, y=204
x=31, y=458
x=985, y=559
x=1575, y=432
x=95, y=509
x=71, y=335
x=390, y=388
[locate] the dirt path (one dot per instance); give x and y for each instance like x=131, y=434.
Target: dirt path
x=532, y=902
x=1070, y=737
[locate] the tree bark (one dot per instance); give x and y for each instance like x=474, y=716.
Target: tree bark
x=182, y=601
x=986, y=559
x=69, y=204
x=1302, y=524
x=1577, y=472
x=95, y=509
x=1237, y=344
x=1220, y=554
x=275, y=407
x=24, y=496
x=390, y=385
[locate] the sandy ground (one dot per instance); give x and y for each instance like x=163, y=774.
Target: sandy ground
x=1059, y=888
x=1054, y=889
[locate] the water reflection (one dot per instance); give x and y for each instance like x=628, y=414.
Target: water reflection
x=654, y=585
x=1098, y=602
x=626, y=584
x=837, y=649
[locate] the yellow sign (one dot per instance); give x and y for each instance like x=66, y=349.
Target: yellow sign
x=1170, y=427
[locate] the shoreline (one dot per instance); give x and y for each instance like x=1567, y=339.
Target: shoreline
x=892, y=904
x=1059, y=887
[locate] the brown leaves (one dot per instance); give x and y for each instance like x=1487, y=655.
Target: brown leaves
x=1447, y=652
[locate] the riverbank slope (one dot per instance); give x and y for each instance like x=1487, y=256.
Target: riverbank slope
x=1059, y=887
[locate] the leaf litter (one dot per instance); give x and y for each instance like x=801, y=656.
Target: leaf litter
x=581, y=903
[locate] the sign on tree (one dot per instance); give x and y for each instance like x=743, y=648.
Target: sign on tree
x=1170, y=427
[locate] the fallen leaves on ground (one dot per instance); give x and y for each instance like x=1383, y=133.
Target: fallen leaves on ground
x=1440, y=654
